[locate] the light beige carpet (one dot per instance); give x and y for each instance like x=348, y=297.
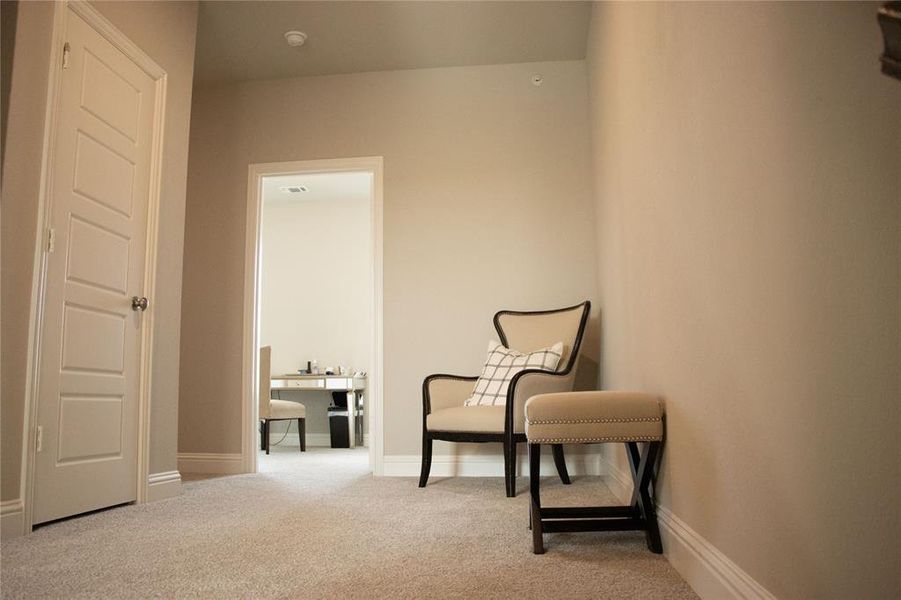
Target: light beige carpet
x=318, y=526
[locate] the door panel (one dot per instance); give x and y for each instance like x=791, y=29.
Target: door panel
x=88, y=388
x=93, y=341
x=110, y=97
x=102, y=175
x=97, y=256
x=102, y=414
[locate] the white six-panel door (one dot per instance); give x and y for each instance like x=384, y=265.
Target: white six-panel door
x=90, y=356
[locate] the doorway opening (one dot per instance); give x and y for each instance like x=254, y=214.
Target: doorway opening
x=313, y=315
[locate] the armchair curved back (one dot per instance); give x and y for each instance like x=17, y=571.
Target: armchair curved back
x=528, y=331
x=265, y=384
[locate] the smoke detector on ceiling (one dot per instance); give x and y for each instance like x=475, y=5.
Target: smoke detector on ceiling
x=293, y=189
x=295, y=38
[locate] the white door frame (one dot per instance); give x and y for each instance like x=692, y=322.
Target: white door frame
x=252, y=239
x=39, y=278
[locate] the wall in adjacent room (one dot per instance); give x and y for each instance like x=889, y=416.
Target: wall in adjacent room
x=747, y=163
x=487, y=205
x=165, y=31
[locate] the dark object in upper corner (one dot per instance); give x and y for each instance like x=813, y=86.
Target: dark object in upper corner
x=890, y=21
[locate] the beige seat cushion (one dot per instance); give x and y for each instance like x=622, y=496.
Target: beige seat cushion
x=591, y=417
x=475, y=419
x=285, y=409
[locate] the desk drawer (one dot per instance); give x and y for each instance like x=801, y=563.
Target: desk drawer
x=338, y=384
x=298, y=384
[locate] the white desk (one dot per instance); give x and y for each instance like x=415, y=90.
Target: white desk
x=354, y=386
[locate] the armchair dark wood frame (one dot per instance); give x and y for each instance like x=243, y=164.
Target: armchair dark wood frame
x=508, y=438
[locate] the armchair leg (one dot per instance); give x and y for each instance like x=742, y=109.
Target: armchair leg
x=426, y=460
x=560, y=462
x=302, y=434
x=510, y=467
x=266, y=436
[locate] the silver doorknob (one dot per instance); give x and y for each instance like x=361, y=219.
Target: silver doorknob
x=139, y=303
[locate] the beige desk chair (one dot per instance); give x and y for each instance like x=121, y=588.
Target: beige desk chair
x=444, y=417
x=277, y=410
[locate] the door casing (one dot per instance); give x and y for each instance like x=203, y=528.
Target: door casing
x=35, y=325
x=251, y=335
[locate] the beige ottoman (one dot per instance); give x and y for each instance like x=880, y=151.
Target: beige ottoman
x=629, y=418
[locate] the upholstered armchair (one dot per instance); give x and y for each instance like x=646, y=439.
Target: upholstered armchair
x=444, y=416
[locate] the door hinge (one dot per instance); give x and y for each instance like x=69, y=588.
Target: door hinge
x=39, y=439
x=51, y=240
x=66, y=50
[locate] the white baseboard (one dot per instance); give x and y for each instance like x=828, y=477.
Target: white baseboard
x=487, y=465
x=619, y=482
x=314, y=440
x=12, y=518
x=163, y=485
x=709, y=572
x=210, y=463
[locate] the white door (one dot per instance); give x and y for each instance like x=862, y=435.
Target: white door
x=88, y=388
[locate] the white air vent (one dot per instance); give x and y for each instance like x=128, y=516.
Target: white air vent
x=293, y=189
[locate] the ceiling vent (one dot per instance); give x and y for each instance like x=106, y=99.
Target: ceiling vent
x=293, y=189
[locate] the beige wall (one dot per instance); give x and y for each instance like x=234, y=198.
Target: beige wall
x=165, y=30
x=316, y=294
x=8, y=16
x=747, y=162
x=18, y=220
x=487, y=205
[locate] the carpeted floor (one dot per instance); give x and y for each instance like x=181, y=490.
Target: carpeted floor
x=318, y=526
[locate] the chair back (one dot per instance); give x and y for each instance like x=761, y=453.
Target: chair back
x=265, y=385
x=529, y=331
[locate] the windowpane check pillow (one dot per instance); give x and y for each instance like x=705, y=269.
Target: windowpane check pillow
x=500, y=367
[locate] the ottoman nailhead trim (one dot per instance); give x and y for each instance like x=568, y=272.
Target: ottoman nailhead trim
x=625, y=438
x=612, y=420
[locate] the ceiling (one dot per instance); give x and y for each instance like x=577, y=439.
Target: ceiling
x=241, y=41
x=320, y=186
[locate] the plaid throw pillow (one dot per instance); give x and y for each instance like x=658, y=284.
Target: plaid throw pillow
x=500, y=367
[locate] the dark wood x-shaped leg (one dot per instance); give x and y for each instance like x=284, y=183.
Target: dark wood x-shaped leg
x=640, y=514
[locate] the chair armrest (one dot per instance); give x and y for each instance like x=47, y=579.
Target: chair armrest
x=531, y=382
x=444, y=391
